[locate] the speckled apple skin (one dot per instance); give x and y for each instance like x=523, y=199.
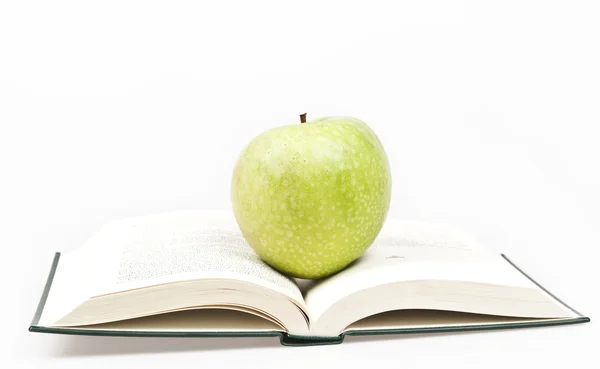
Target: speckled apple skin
x=311, y=198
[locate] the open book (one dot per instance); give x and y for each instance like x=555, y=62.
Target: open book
x=191, y=273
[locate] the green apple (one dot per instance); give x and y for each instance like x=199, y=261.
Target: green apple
x=311, y=198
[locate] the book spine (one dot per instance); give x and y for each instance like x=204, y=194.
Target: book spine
x=292, y=340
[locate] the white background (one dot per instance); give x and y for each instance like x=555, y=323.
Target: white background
x=489, y=112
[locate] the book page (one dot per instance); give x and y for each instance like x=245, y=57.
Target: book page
x=206, y=319
x=202, y=250
x=165, y=248
x=192, y=245
x=410, y=250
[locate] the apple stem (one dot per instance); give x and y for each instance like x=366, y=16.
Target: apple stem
x=303, y=118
